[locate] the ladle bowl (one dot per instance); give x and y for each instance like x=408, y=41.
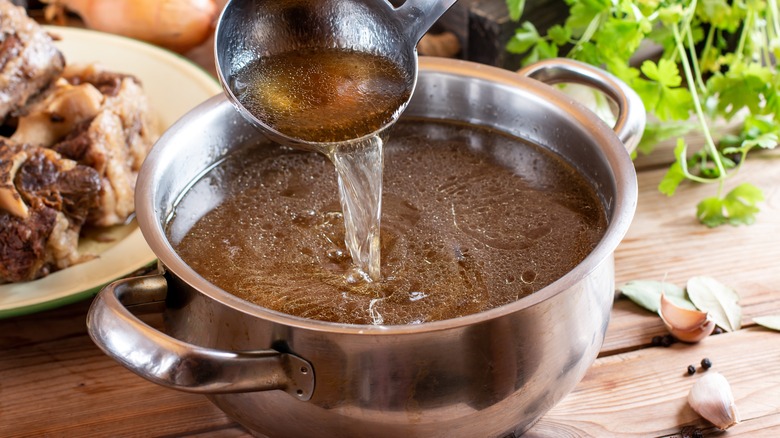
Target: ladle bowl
x=252, y=29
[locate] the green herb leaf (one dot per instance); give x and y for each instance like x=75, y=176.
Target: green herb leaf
x=738, y=207
x=757, y=131
x=764, y=141
x=583, y=13
x=720, y=14
x=740, y=204
x=671, y=180
x=559, y=35
x=709, y=211
x=542, y=50
x=743, y=86
x=662, y=93
x=665, y=72
x=717, y=299
x=717, y=59
x=673, y=104
x=647, y=294
x=516, y=8
x=628, y=33
x=771, y=322
x=524, y=39
x=671, y=15
x=675, y=175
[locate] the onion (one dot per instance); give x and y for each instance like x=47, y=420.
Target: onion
x=178, y=25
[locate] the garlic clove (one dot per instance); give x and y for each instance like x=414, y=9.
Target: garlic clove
x=680, y=317
x=711, y=398
x=687, y=325
x=695, y=335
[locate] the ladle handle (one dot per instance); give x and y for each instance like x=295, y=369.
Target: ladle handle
x=417, y=16
x=176, y=364
x=631, y=115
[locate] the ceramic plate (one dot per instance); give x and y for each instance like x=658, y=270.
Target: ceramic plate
x=173, y=85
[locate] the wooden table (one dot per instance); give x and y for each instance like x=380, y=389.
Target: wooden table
x=55, y=382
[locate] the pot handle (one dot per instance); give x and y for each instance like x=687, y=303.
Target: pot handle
x=631, y=111
x=170, y=362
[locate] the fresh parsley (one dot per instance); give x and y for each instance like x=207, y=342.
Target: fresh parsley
x=717, y=60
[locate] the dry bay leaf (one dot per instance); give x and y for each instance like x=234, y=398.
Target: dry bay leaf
x=771, y=322
x=647, y=294
x=717, y=299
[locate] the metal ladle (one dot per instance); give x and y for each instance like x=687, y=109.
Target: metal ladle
x=250, y=29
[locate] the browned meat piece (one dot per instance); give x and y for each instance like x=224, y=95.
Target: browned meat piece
x=101, y=145
x=102, y=120
x=124, y=96
x=29, y=61
x=47, y=201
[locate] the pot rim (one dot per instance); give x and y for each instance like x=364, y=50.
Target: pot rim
x=615, y=153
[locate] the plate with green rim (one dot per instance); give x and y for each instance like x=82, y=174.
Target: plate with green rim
x=174, y=85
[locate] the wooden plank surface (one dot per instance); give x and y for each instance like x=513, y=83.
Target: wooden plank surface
x=643, y=393
x=665, y=242
x=55, y=382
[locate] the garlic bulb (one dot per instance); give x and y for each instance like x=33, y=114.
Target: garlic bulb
x=711, y=398
x=687, y=325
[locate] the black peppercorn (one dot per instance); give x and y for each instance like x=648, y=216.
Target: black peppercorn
x=667, y=340
x=691, y=370
x=706, y=363
x=691, y=432
x=656, y=341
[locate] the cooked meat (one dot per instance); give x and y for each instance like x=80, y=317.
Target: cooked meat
x=125, y=97
x=51, y=118
x=79, y=138
x=29, y=61
x=100, y=119
x=23, y=244
x=57, y=195
x=101, y=145
x=58, y=183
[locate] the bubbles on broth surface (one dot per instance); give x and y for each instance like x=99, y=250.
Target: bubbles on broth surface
x=464, y=228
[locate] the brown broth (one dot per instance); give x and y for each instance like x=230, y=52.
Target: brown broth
x=471, y=220
x=323, y=95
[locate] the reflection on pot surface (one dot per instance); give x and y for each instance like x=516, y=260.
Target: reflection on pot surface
x=473, y=220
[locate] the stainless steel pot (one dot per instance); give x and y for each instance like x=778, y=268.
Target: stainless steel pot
x=490, y=374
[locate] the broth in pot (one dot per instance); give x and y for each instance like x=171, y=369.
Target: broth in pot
x=472, y=219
